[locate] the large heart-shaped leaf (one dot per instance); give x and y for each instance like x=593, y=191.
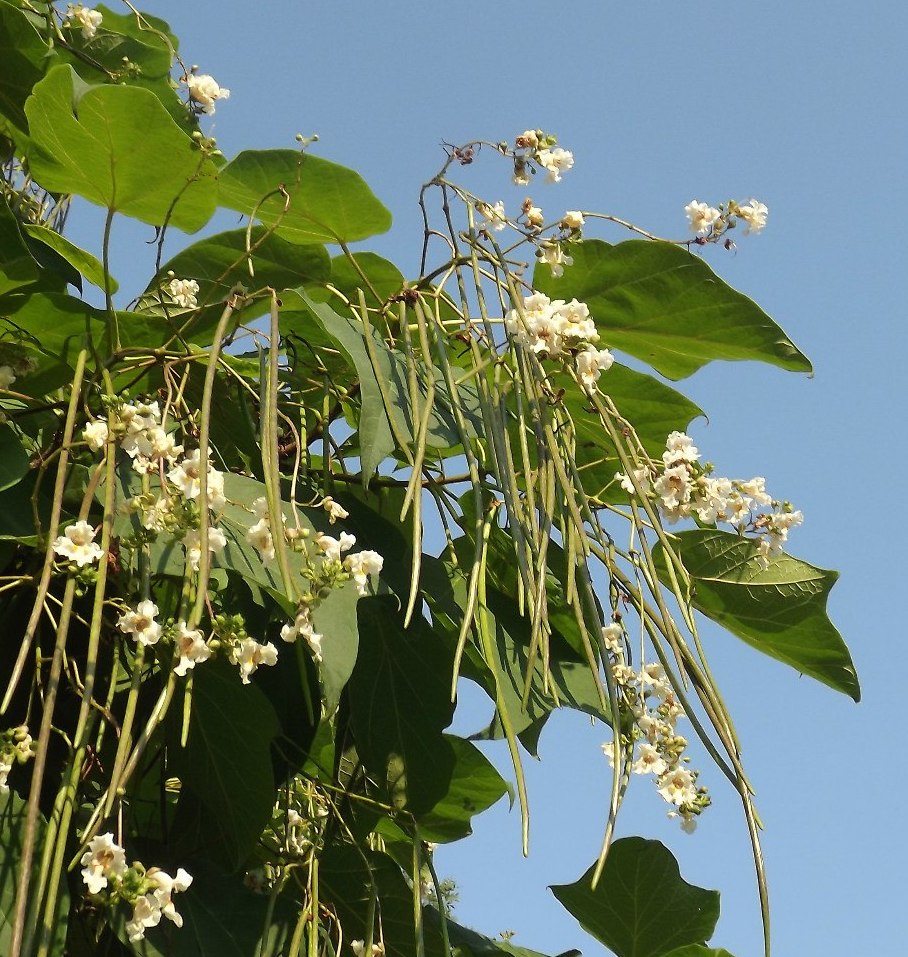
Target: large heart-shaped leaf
x=23, y=55
x=664, y=305
x=227, y=759
x=779, y=610
x=641, y=907
x=308, y=199
x=117, y=146
x=475, y=785
x=218, y=263
x=400, y=702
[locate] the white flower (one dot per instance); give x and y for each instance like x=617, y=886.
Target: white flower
x=608, y=749
x=186, y=477
x=103, y=859
x=713, y=501
x=259, y=535
x=756, y=489
x=591, y=363
x=754, y=214
x=205, y=91
x=5, y=767
x=191, y=647
x=166, y=887
x=7, y=377
x=576, y=322
x=674, y=486
x=612, y=634
x=334, y=509
x=333, y=548
x=528, y=139
x=649, y=761
x=701, y=217
x=96, y=433
x=652, y=676
x=88, y=20
x=494, y=216
x=359, y=948
x=249, y=655
x=192, y=542
x=679, y=448
x=78, y=545
x=552, y=254
x=154, y=517
x=677, y=786
x=361, y=565
x=534, y=216
x=141, y=623
x=302, y=625
x=184, y=292
x=146, y=912
x=641, y=475
x=556, y=161
x=572, y=219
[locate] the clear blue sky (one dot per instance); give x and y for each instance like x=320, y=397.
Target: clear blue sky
x=802, y=106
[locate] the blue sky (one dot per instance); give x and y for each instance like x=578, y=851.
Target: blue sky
x=801, y=106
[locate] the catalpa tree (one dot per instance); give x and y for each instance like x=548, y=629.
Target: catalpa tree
x=261, y=516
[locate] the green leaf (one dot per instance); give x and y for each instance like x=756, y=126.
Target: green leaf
x=144, y=40
x=779, y=610
x=23, y=54
x=382, y=278
x=664, y=305
x=118, y=147
x=54, y=324
x=698, y=950
x=219, y=263
x=12, y=832
x=221, y=918
x=475, y=786
x=445, y=588
x=80, y=259
x=14, y=462
x=375, y=438
x=347, y=876
x=468, y=943
x=400, y=702
x=641, y=906
x=651, y=407
x=227, y=760
x=18, y=267
x=388, y=371
x=325, y=202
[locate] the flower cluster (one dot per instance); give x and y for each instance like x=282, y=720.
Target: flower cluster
x=241, y=648
x=558, y=330
x=533, y=148
x=204, y=91
x=16, y=747
x=190, y=646
x=683, y=488
x=654, y=745
x=137, y=427
x=149, y=892
x=708, y=223
x=328, y=568
x=83, y=17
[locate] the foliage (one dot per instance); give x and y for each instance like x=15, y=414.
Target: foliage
x=257, y=524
